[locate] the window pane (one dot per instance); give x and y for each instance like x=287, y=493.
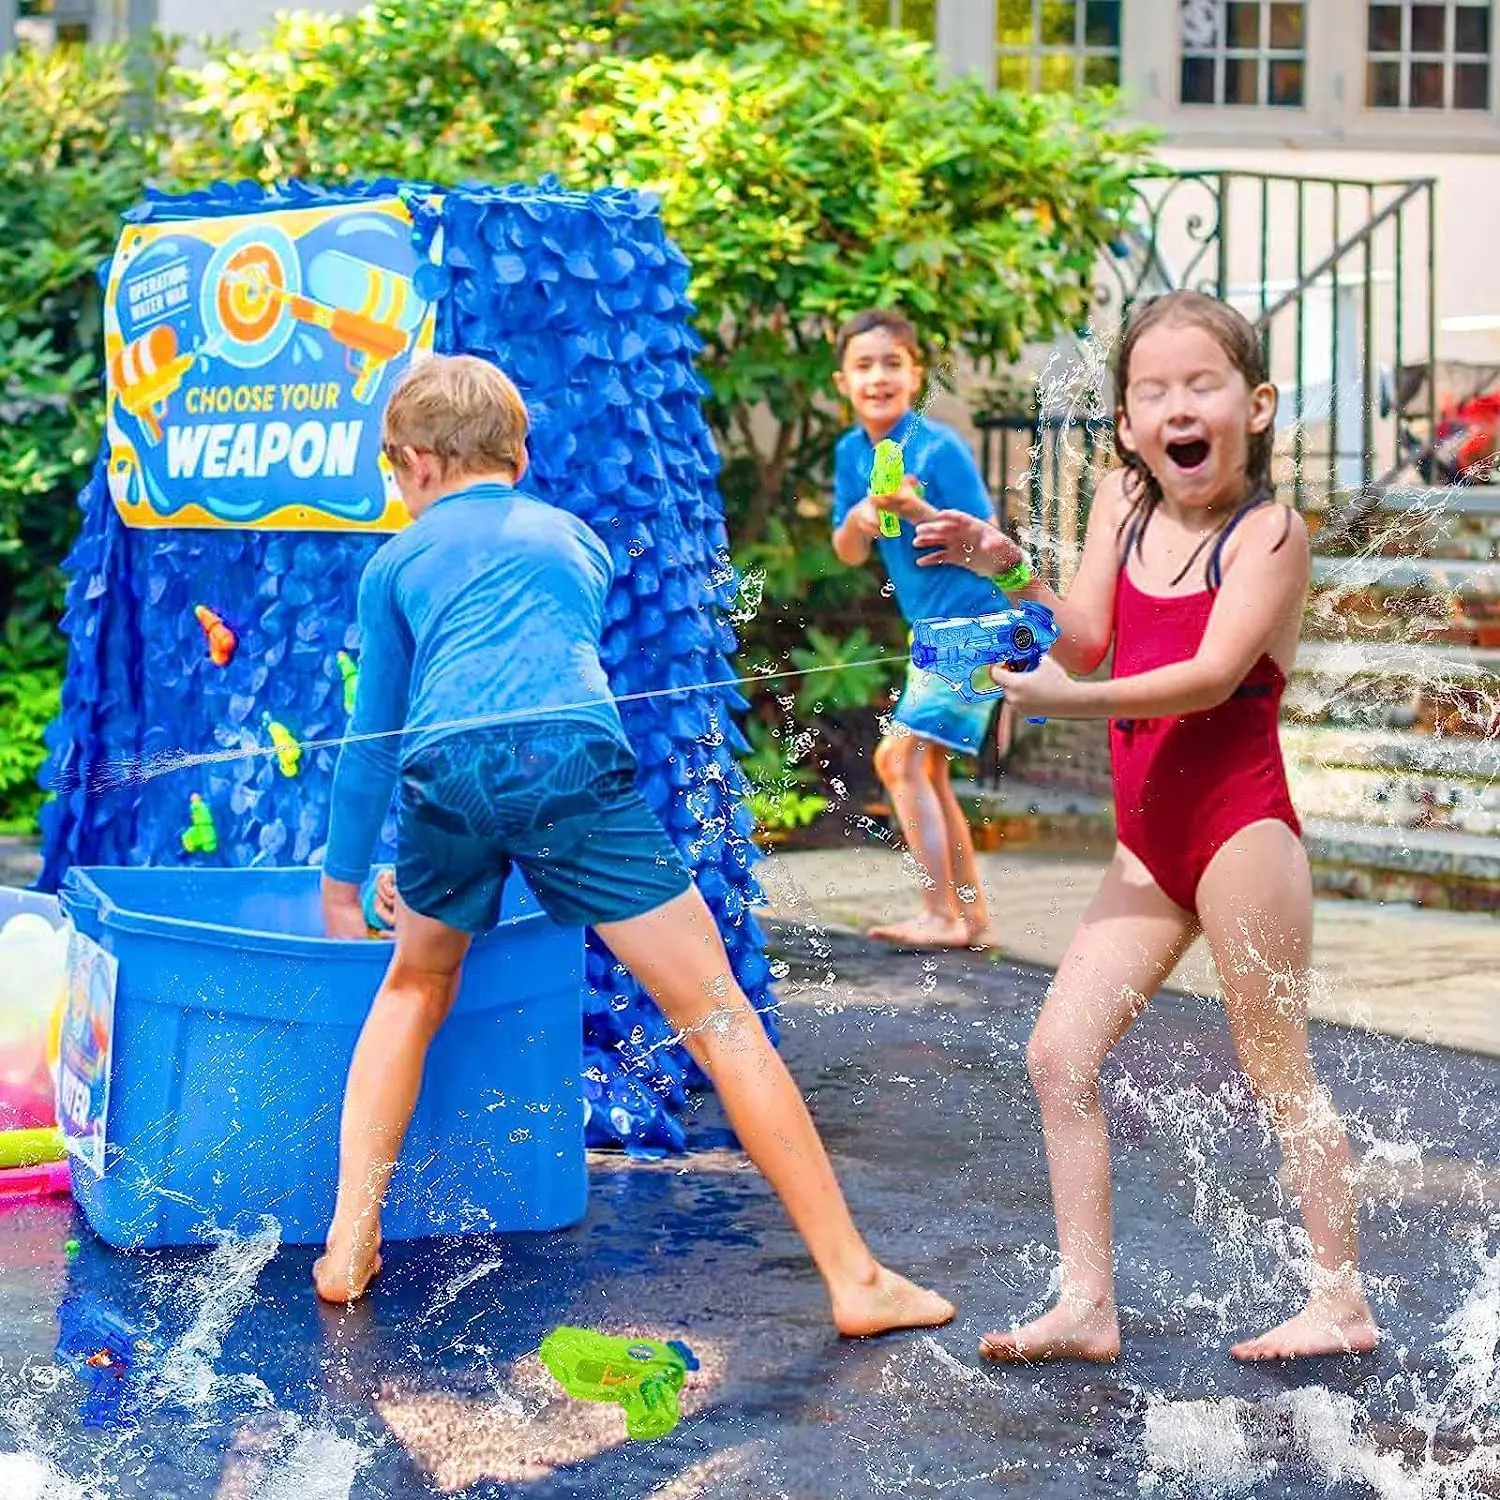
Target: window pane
x=1101, y=27
x=875, y=12
x=920, y=16
x=1471, y=86
x=1101, y=72
x=1385, y=28
x=1013, y=26
x=1383, y=85
x=1058, y=74
x=1286, y=27
x=1471, y=29
x=1059, y=23
x=1197, y=80
x=1425, y=85
x=1013, y=73
x=1241, y=80
x=1286, y=82
x=1243, y=17
x=1428, y=28
x=1198, y=25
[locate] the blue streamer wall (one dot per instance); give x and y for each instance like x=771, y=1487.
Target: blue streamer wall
x=583, y=301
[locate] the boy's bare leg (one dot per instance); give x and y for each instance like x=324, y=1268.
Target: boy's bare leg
x=1255, y=900
x=901, y=762
x=1127, y=944
x=968, y=886
x=385, y=1078
x=677, y=954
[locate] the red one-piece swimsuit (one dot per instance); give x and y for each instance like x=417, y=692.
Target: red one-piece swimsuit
x=1186, y=785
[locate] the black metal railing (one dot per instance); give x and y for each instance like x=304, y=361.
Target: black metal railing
x=1337, y=275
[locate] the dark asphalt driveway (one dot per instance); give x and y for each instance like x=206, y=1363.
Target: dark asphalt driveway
x=916, y=1072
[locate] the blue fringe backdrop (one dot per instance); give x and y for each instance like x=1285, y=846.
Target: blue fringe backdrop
x=583, y=301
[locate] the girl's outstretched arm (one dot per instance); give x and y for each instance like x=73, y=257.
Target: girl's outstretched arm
x=1260, y=604
x=1085, y=614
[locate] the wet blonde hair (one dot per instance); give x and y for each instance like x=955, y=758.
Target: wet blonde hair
x=463, y=410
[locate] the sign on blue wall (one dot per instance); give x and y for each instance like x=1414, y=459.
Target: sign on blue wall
x=248, y=359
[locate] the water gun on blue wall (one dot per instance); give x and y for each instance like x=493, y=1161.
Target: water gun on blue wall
x=1016, y=638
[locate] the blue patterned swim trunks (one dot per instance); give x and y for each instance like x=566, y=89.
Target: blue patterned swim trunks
x=931, y=709
x=558, y=800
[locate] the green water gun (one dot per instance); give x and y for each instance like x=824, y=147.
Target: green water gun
x=200, y=837
x=350, y=673
x=886, y=474
x=641, y=1375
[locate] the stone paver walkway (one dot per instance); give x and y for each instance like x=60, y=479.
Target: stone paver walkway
x=1429, y=975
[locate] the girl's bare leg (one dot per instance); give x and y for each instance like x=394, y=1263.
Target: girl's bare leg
x=976, y=910
x=901, y=762
x=677, y=954
x=385, y=1077
x=1255, y=903
x=1129, y=941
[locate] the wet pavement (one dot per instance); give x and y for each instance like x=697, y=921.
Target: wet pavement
x=915, y=1070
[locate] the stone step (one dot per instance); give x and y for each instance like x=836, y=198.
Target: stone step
x=1422, y=867
x=1463, y=578
x=1401, y=599
x=1395, y=800
x=1396, y=685
x=1458, y=522
x=1422, y=755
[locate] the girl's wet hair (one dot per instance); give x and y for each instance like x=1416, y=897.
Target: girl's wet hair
x=1233, y=333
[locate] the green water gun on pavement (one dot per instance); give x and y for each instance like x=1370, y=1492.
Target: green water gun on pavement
x=641, y=1375
x=886, y=474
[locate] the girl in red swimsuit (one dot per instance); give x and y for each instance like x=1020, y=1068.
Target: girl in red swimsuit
x=1197, y=579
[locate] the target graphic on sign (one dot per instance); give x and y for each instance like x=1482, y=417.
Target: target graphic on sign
x=246, y=298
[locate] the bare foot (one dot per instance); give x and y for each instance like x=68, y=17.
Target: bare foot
x=1075, y=1329
x=982, y=939
x=1327, y=1325
x=886, y=1303
x=926, y=931
x=344, y=1275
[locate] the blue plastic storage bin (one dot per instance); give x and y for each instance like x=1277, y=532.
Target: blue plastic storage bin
x=234, y=1025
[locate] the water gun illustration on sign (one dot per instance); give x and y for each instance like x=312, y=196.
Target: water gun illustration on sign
x=886, y=474
x=146, y=373
x=350, y=673
x=200, y=836
x=959, y=650
x=641, y=1375
x=288, y=751
x=222, y=641
x=371, y=311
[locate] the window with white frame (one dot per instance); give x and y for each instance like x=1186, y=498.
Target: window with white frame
x=1057, y=46
x=1433, y=55
x=50, y=23
x=1244, y=52
x=919, y=16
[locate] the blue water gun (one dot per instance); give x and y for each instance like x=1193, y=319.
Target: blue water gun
x=959, y=650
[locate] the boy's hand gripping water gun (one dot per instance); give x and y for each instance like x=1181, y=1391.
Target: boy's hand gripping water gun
x=959, y=650
x=886, y=474
x=641, y=1375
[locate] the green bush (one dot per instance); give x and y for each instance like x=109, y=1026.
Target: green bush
x=807, y=164
x=71, y=161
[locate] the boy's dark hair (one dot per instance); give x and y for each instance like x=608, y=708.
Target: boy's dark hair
x=1233, y=333
x=871, y=318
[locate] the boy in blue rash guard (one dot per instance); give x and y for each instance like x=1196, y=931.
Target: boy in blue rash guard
x=880, y=374
x=489, y=607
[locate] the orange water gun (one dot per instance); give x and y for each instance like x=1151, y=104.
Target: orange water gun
x=221, y=639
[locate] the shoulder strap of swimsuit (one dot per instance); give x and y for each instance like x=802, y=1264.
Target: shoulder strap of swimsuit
x=1262, y=496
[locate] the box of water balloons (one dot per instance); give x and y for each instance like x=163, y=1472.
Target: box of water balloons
x=234, y=1023
x=33, y=982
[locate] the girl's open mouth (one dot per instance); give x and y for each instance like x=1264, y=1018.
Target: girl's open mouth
x=1188, y=455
